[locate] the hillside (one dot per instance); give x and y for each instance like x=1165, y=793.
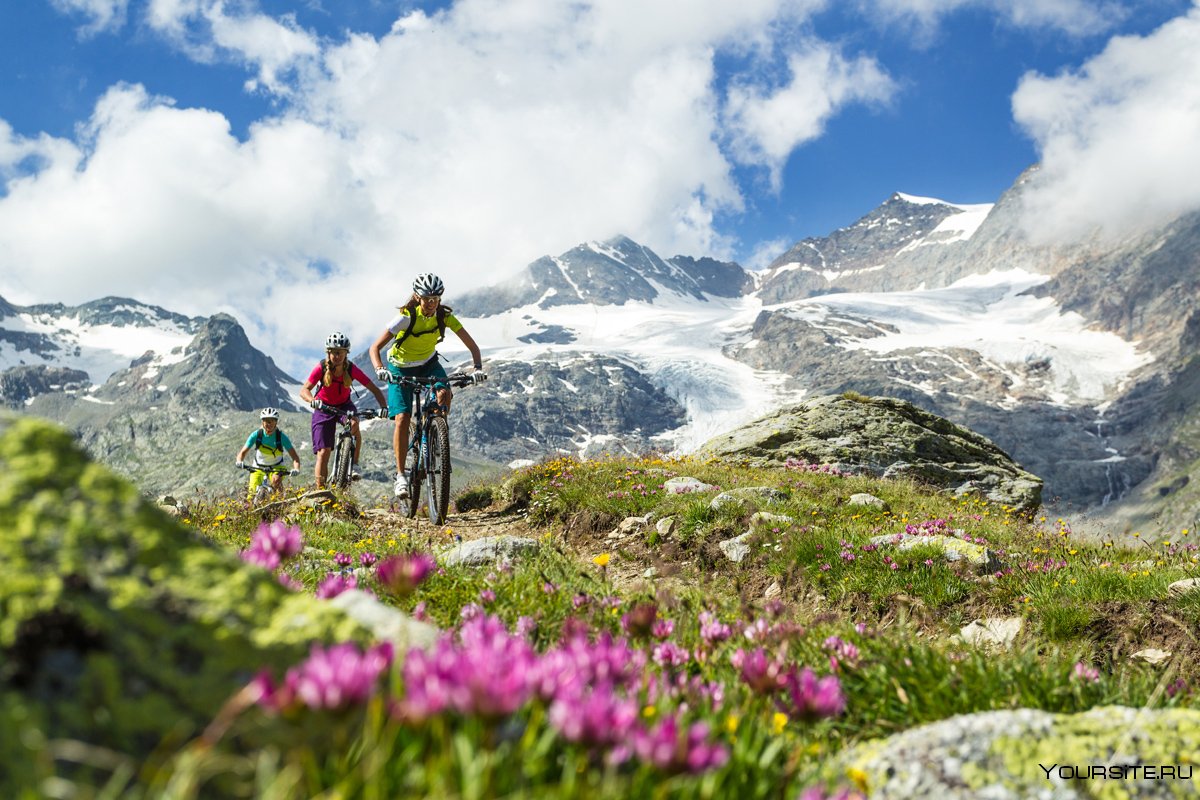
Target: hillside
x=647, y=627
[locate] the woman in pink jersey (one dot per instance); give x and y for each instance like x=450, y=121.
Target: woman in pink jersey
x=334, y=375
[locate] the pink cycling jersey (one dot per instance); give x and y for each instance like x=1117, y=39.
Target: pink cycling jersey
x=336, y=393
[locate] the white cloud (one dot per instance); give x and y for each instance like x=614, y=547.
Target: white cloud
x=1118, y=136
x=102, y=15
x=205, y=30
x=768, y=124
x=1074, y=17
x=467, y=142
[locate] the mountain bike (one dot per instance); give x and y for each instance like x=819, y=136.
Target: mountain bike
x=429, y=446
x=264, y=489
x=342, y=460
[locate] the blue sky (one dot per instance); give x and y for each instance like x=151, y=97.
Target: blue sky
x=267, y=157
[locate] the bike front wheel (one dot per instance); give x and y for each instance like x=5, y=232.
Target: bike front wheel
x=438, y=469
x=341, y=463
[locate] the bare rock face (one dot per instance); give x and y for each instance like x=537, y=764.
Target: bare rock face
x=20, y=383
x=119, y=627
x=883, y=437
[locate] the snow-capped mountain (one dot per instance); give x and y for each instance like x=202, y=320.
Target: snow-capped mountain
x=81, y=346
x=1045, y=349
x=608, y=273
x=119, y=350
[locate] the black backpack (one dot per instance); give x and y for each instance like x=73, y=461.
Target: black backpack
x=258, y=439
x=411, y=311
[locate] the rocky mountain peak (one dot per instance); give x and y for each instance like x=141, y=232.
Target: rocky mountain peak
x=218, y=368
x=609, y=272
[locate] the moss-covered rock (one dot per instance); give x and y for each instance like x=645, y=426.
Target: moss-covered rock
x=1110, y=752
x=884, y=437
x=119, y=627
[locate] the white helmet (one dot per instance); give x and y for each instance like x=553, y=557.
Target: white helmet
x=269, y=413
x=337, y=341
x=427, y=284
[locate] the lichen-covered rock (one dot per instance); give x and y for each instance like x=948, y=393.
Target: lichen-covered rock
x=884, y=437
x=952, y=549
x=1024, y=753
x=747, y=497
x=119, y=627
x=487, y=550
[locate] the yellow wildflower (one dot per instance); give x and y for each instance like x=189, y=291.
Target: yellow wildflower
x=778, y=721
x=602, y=560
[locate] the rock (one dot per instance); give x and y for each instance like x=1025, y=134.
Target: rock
x=119, y=626
x=773, y=591
x=651, y=572
x=993, y=632
x=1005, y=755
x=666, y=526
x=1152, y=655
x=487, y=550
x=764, y=519
x=953, y=549
x=747, y=497
x=737, y=548
x=386, y=623
x=884, y=437
x=633, y=524
x=869, y=500
x=686, y=486
x=1184, y=587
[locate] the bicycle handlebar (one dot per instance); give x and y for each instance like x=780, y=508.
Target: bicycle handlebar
x=454, y=379
x=260, y=468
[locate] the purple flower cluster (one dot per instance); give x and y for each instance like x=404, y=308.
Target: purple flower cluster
x=841, y=652
x=930, y=527
x=800, y=465
x=272, y=544
x=674, y=748
x=482, y=670
x=591, y=690
x=811, y=698
x=336, y=677
x=712, y=630
x=1082, y=672
x=400, y=575
x=334, y=584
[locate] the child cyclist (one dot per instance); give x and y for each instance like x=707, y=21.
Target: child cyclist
x=413, y=353
x=334, y=375
x=269, y=444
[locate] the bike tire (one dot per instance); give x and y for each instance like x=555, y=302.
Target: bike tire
x=341, y=465
x=414, y=491
x=438, y=469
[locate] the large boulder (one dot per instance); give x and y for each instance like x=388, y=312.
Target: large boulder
x=119, y=627
x=1111, y=751
x=883, y=437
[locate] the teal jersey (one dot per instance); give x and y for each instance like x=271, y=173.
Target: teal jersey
x=267, y=454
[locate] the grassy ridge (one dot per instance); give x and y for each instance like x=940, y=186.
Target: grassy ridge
x=879, y=623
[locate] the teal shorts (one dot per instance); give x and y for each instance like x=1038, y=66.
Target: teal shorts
x=400, y=397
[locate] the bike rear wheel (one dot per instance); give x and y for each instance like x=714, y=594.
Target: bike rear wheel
x=341, y=463
x=415, y=469
x=438, y=469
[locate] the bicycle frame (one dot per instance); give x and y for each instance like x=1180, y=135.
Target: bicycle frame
x=342, y=461
x=264, y=489
x=429, y=446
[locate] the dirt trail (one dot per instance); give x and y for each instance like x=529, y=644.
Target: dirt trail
x=464, y=526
